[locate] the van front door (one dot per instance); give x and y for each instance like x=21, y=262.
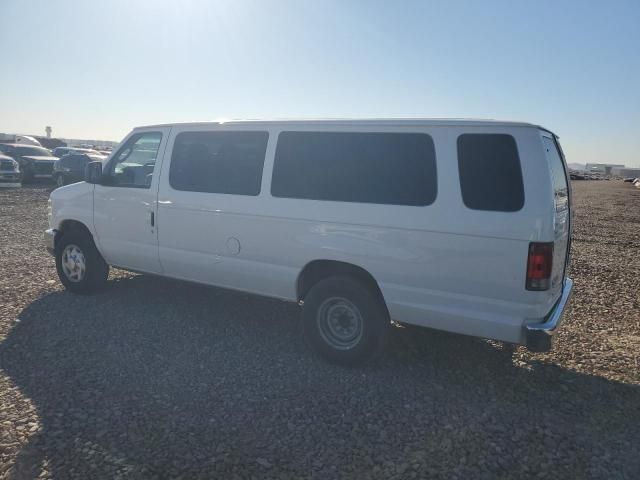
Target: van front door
x=125, y=202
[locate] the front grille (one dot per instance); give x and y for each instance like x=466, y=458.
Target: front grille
x=6, y=165
x=9, y=177
x=43, y=168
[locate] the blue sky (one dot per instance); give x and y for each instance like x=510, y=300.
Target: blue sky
x=97, y=68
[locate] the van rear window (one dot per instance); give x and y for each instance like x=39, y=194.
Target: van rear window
x=383, y=168
x=490, y=173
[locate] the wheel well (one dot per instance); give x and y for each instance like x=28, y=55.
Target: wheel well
x=318, y=270
x=72, y=225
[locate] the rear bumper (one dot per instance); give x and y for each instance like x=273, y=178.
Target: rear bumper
x=539, y=336
x=50, y=240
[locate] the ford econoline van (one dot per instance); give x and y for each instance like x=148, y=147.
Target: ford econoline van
x=456, y=225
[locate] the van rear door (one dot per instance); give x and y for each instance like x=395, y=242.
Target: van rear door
x=562, y=212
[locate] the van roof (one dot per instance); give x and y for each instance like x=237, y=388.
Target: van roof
x=361, y=121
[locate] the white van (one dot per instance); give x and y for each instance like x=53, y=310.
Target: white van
x=27, y=140
x=457, y=225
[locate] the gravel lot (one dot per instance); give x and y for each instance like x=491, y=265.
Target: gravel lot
x=154, y=378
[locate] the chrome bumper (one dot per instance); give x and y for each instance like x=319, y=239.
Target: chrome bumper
x=50, y=240
x=538, y=336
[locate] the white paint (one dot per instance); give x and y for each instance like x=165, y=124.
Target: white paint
x=442, y=266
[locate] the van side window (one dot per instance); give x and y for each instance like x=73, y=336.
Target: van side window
x=383, y=168
x=490, y=173
x=132, y=166
x=218, y=162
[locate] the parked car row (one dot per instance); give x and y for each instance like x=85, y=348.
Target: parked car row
x=574, y=175
x=23, y=163
x=34, y=162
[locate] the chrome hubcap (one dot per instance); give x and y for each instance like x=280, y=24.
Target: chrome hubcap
x=340, y=323
x=73, y=263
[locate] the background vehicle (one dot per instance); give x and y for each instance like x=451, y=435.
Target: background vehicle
x=361, y=222
x=70, y=168
x=9, y=172
x=35, y=162
x=27, y=140
x=62, y=151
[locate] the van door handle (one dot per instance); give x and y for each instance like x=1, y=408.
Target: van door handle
x=153, y=218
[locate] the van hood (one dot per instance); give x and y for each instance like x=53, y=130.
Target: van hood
x=71, y=193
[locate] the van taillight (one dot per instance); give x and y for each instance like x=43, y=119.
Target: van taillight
x=539, y=266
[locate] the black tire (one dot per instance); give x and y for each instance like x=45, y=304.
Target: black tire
x=335, y=296
x=96, y=269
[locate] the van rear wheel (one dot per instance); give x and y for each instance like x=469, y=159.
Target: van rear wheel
x=80, y=266
x=345, y=321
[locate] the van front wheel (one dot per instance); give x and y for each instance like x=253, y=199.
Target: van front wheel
x=80, y=266
x=344, y=320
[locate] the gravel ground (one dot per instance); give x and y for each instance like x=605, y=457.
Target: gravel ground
x=154, y=378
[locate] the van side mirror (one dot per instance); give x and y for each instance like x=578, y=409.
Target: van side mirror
x=93, y=172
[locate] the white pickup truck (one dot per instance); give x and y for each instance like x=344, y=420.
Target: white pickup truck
x=462, y=226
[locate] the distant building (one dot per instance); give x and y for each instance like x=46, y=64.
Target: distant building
x=604, y=168
x=626, y=172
